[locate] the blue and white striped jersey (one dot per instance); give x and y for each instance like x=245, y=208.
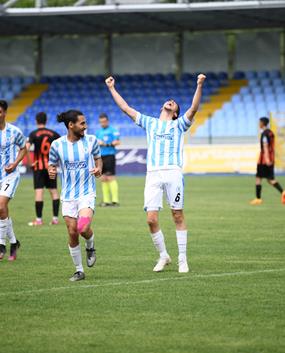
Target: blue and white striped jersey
x=75, y=159
x=11, y=140
x=165, y=141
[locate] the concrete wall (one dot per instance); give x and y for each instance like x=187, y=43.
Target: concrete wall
x=17, y=57
x=143, y=54
x=139, y=54
x=205, y=52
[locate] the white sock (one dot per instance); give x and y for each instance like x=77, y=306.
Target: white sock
x=181, y=236
x=76, y=257
x=10, y=232
x=158, y=241
x=90, y=242
x=3, y=230
x=38, y=219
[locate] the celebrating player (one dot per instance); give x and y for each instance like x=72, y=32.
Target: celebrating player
x=265, y=164
x=13, y=150
x=108, y=138
x=78, y=156
x=164, y=163
x=42, y=138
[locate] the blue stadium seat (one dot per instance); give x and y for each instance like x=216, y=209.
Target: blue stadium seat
x=250, y=75
x=147, y=92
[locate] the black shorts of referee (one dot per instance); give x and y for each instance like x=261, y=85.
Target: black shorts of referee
x=109, y=164
x=42, y=180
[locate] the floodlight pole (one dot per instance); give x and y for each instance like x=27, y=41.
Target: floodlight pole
x=179, y=39
x=231, y=44
x=108, y=54
x=39, y=58
x=282, y=53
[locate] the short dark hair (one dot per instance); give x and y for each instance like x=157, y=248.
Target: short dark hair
x=103, y=115
x=4, y=104
x=69, y=116
x=264, y=120
x=41, y=118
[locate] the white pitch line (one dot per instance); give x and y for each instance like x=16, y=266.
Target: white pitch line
x=145, y=281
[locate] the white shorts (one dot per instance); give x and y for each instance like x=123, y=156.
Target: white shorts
x=170, y=182
x=9, y=184
x=72, y=208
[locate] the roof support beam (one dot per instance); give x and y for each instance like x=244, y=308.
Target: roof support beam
x=9, y=3
x=80, y=2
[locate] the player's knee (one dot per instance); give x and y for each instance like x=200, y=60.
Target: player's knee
x=83, y=225
x=152, y=221
x=178, y=217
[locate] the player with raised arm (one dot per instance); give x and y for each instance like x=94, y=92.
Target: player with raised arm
x=164, y=167
x=13, y=150
x=78, y=156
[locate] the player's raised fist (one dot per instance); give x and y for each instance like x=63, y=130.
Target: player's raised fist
x=201, y=78
x=110, y=82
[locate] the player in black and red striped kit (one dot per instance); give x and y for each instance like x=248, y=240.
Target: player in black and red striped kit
x=42, y=138
x=265, y=164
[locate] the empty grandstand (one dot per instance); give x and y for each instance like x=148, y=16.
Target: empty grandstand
x=154, y=57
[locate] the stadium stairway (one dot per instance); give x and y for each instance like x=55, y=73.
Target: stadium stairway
x=216, y=102
x=25, y=99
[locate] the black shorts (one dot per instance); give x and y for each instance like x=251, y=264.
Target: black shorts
x=265, y=171
x=42, y=180
x=109, y=164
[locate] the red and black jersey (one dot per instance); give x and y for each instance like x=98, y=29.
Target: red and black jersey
x=42, y=139
x=267, y=137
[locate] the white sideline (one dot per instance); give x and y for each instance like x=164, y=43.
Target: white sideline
x=145, y=281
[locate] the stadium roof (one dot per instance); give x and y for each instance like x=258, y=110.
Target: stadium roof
x=142, y=18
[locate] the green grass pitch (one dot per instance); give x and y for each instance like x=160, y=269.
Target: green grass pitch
x=231, y=301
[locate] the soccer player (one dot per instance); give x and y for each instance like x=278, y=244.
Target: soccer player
x=265, y=164
x=13, y=150
x=164, y=163
x=108, y=138
x=78, y=156
x=42, y=138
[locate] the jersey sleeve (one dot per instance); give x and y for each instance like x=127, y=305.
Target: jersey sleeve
x=116, y=134
x=184, y=123
x=143, y=120
x=96, y=149
x=265, y=139
x=20, y=139
x=53, y=154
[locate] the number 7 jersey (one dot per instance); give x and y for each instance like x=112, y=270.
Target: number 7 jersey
x=42, y=139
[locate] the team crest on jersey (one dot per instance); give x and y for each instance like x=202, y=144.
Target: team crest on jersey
x=75, y=165
x=166, y=136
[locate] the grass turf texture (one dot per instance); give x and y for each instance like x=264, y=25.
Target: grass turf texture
x=117, y=309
